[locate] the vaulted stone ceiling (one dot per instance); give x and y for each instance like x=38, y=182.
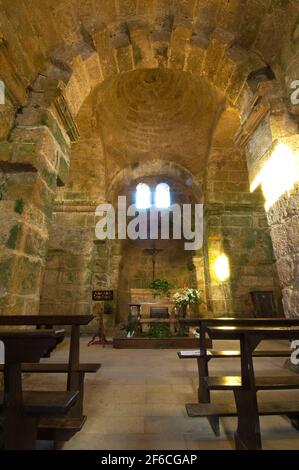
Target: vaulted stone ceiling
x=151, y=31
x=154, y=114
x=144, y=67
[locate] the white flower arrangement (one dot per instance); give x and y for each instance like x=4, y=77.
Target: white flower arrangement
x=187, y=296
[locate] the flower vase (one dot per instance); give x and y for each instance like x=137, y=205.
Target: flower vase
x=182, y=311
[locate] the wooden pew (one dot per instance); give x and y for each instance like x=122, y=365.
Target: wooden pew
x=204, y=355
x=20, y=411
x=246, y=385
x=60, y=429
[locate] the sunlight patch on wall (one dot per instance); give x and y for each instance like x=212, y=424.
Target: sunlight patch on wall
x=222, y=269
x=279, y=174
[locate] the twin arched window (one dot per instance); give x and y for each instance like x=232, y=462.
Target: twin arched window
x=161, y=196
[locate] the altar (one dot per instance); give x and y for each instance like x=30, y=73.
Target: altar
x=147, y=301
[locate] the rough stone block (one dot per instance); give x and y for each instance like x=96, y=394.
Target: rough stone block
x=286, y=271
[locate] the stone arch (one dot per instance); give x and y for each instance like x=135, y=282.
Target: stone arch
x=73, y=74
x=158, y=168
x=115, y=48
x=185, y=188
x=40, y=141
x=108, y=50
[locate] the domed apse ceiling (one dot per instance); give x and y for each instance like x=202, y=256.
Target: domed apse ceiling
x=154, y=114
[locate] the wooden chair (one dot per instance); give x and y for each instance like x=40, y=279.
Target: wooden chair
x=264, y=304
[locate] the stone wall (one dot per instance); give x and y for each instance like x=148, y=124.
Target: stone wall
x=67, y=281
x=243, y=235
x=87, y=178
x=276, y=126
x=236, y=225
x=106, y=275
x=75, y=49
x=31, y=165
x=283, y=219
x=173, y=264
x=7, y=116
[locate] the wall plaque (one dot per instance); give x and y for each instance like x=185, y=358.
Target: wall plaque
x=102, y=295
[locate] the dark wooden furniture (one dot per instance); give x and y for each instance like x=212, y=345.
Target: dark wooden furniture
x=246, y=385
x=60, y=429
x=264, y=303
x=135, y=310
x=158, y=321
x=204, y=355
x=20, y=412
x=159, y=312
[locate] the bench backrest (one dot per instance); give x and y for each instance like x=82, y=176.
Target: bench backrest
x=44, y=320
x=204, y=323
x=258, y=332
x=28, y=346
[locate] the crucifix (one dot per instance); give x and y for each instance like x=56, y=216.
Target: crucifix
x=153, y=252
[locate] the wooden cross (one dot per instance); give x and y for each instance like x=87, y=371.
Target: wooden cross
x=153, y=252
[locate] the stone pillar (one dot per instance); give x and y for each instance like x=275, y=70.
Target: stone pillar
x=30, y=166
x=283, y=219
x=67, y=285
x=267, y=126
x=219, y=295
x=199, y=264
x=106, y=265
x=240, y=232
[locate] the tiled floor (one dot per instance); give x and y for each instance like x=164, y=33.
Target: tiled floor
x=137, y=401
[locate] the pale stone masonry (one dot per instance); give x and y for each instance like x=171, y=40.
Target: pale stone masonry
x=102, y=94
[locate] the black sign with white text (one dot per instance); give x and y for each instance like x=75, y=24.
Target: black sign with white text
x=102, y=295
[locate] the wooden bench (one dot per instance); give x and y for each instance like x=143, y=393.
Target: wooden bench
x=204, y=355
x=245, y=386
x=229, y=410
x=43, y=403
x=20, y=411
x=62, y=428
x=56, y=368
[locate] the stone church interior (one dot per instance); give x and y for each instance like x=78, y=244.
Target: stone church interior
x=114, y=335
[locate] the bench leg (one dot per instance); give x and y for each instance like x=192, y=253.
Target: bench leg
x=295, y=423
x=20, y=432
x=204, y=395
x=58, y=445
x=248, y=435
x=75, y=380
x=78, y=385
x=19, y=428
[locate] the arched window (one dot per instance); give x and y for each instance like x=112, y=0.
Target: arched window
x=143, y=196
x=162, y=196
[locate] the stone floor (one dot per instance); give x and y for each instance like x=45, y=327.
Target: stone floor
x=137, y=401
